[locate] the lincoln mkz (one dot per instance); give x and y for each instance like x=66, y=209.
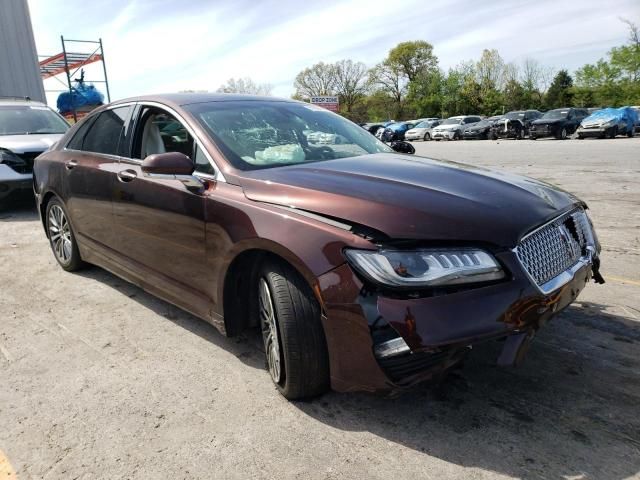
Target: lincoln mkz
x=363, y=268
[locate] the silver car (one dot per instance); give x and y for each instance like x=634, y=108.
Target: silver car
x=27, y=129
x=423, y=130
x=451, y=128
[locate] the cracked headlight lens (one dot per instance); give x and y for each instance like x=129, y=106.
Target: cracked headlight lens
x=424, y=268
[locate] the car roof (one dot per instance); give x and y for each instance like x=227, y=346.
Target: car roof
x=191, y=98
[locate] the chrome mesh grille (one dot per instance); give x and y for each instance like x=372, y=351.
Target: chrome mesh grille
x=555, y=247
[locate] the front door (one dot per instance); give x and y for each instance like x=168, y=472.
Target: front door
x=160, y=225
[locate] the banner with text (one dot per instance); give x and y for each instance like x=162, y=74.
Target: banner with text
x=330, y=103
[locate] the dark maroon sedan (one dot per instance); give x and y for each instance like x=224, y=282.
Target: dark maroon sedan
x=365, y=269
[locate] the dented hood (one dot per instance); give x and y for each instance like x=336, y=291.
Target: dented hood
x=409, y=197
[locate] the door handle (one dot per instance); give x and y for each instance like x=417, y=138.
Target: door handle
x=127, y=175
x=71, y=164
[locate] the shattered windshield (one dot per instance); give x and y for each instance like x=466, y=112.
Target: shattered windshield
x=255, y=135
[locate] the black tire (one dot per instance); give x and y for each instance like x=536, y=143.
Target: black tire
x=302, y=345
x=614, y=132
x=61, y=237
x=630, y=131
x=533, y=137
x=457, y=136
x=562, y=134
x=580, y=137
x=426, y=137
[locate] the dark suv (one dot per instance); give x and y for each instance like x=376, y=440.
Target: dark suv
x=361, y=268
x=558, y=123
x=514, y=124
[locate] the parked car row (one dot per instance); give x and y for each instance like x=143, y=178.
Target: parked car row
x=559, y=123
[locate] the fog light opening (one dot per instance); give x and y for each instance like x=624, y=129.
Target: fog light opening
x=395, y=346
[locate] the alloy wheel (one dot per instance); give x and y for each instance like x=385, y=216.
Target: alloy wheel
x=60, y=234
x=269, y=326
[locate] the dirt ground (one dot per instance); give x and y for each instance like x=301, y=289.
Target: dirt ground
x=101, y=380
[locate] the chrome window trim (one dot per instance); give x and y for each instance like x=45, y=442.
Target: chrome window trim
x=111, y=107
x=218, y=176
x=566, y=276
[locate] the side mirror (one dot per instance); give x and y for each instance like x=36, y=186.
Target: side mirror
x=403, y=147
x=172, y=163
x=172, y=166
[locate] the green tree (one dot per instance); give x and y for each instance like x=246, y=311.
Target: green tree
x=560, y=93
x=389, y=78
x=514, y=95
x=414, y=59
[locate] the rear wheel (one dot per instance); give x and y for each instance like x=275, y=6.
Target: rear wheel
x=563, y=134
x=630, y=131
x=294, y=342
x=61, y=237
x=427, y=137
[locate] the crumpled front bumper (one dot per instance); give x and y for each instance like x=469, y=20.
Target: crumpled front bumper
x=438, y=329
x=10, y=181
x=440, y=134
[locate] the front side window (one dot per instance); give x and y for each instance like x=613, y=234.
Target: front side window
x=106, y=132
x=161, y=132
x=264, y=134
x=30, y=119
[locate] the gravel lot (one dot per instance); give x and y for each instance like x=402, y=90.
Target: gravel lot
x=101, y=380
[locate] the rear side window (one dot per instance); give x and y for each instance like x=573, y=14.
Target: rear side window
x=106, y=132
x=78, y=137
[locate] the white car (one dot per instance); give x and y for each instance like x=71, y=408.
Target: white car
x=423, y=130
x=27, y=129
x=451, y=128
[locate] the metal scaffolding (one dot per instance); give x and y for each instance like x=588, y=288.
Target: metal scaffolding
x=70, y=62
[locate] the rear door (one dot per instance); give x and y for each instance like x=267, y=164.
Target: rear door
x=159, y=224
x=91, y=161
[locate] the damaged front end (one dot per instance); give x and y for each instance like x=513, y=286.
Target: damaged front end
x=389, y=334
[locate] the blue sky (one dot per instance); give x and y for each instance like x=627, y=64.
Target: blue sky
x=156, y=46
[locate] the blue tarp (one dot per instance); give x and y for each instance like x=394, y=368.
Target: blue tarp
x=608, y=114
x=82, y=94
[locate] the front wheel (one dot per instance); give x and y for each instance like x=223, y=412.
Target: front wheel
x=427, y=137
x=457, y=136
x=61, y=237
x=294, y=342
x=563, y=134
x=614, y=132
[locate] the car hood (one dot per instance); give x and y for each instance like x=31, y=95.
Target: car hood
x=409, y=197
x=29, y=143
x=448, y=127
x=548, y=121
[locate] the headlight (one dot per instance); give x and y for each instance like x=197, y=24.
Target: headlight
x=9, y=158
x=425, y=268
